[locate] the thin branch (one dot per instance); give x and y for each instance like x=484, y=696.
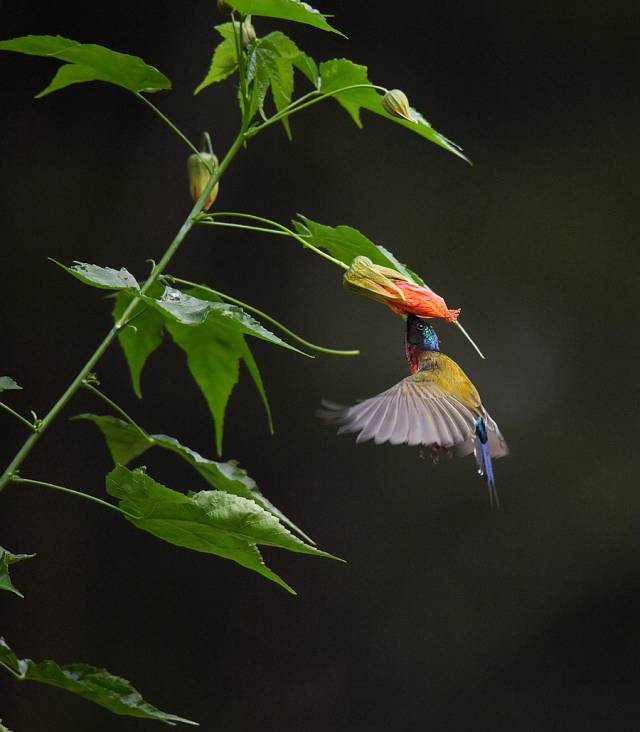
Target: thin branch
x=90, y=387
x=71, y=491
x=281, y=227
x=296, y=106
x=264, y=316
x=19, y=417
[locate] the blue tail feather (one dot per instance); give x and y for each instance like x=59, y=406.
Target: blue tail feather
x=483, y=460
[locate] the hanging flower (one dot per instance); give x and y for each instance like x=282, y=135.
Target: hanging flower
x=395, y=290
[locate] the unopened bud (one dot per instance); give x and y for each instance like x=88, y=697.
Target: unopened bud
x=373, y=280
x=199, y=169
x=224, y=8
x=248, y=32
x=396, y=103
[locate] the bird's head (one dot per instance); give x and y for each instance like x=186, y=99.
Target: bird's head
x=419, y=337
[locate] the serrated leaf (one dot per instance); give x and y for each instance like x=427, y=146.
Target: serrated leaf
x=224, y=60
x=295, y=10
x=211, y=334
x=3, y=728
x=125, y=443
x=254, y=372
x=306, y=65
x=213, y=355
x=345, y=243
x=8, y=384
x=140, y=338
x=104, y=278
x=6, y=559
x=340, y=72
x=89, y=62
x=91, y=683
x=186, y=309
x=214, y=522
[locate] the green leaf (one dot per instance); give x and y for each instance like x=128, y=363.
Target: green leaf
x=185, y=309
x=89, y=62
x=7, y=384
x=345, y=243
x=254, y=372
x=140, y=338
x=306, y=65
x=214, y=522
x=295, y=10
x=104, y=278
x=3, y=728
x=224, y=60
x=212, y=354
x=125, y=443
x=7, y=558
x=211, y=334
x=340, y=72
x=93, y=684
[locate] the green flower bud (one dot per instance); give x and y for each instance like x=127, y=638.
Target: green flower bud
x=373, y=280
x=396, y=103
x=199, y=176
x=224, y=8
x=248, y=32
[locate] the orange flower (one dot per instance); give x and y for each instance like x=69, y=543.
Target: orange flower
x=394, y=289
x=421, y=302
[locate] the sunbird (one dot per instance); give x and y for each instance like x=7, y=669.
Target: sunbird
x=437, y=406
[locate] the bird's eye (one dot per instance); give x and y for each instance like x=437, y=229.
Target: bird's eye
x=420, y=326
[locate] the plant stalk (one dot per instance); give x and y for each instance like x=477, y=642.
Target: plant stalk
x=62, y=489
x=19, y=417
x=157, y=270
x=281, y=227
x=264, y=316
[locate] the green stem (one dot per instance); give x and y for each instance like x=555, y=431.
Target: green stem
x=62, y=489
x=157, y=270
x=168, y=122
x=19, y=417
x=264, y=316
x=208, y=219
x=244, y=87
x=246, y=227
x=90, y=387
x=458, y=325
x=281, y=227
x=297, y=106
x=12, y=671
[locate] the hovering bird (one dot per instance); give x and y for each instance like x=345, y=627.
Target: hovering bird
x=437, y=406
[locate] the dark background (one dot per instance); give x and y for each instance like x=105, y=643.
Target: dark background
x=448, y=616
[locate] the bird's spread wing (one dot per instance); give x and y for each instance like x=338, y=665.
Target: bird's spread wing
x=415, y=411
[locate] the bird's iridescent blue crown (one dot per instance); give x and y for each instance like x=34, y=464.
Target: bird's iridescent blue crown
x=421, y=335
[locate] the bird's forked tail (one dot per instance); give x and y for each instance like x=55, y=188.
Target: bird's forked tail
x=482, y=455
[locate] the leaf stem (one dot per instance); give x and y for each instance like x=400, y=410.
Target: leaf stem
x=12, y=671
x=246, y=227
x=90, y=387
x=296, y=105
x=285, y=230
x=157, y=270
x=169, y=123
x=19, y=417
x=264, y=316
x=209, y=220
x=71, y=491
x=458, y=325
